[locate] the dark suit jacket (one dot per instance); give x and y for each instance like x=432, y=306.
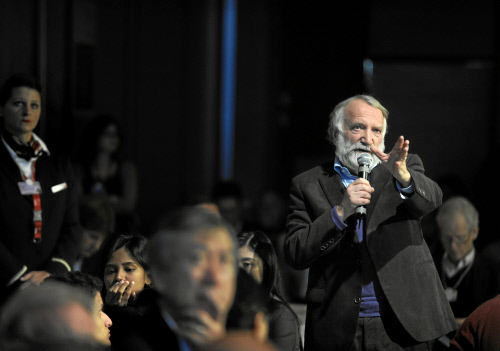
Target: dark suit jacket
x=403, y=263
x=61, y=232
x=153, y=334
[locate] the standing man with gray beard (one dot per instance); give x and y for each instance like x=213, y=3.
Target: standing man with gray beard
x=372, y=282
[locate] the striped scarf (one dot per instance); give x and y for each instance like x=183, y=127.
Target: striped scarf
x=26, y=151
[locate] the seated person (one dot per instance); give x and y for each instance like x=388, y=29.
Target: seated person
x=97, y=219
x=51, y=317
x=92, y=286
x=247, y=326
x=258, y=258
x=125, y=272
x=248, y=314
x=468, y=278
x=481, y=329
x=193, y=267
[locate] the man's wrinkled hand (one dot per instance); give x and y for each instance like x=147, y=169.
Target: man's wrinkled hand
x=395, y=161
x=358, y=193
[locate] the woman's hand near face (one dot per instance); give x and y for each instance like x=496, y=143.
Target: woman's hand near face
x=120, y=293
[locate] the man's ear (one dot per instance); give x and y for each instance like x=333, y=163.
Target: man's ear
x=475, y=232
x=260, y=327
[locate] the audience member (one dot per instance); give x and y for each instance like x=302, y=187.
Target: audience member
x=249, y=311
x=91, y=286
x=270, y=217
x=467, y=277
x=258, y=258
x=372, y=281
x=104, y=172
x=49, y=317
x=481, y=329
x=33, y=243
x=126, y=274
x=97, y=219
x=193, y=266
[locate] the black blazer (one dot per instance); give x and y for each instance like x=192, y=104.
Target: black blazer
x=403, y=263
x=61, y=232
x=153, y=334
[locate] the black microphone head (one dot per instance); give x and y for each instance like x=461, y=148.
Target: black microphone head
x=365, y=159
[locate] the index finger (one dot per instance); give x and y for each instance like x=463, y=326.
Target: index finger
x=378, y=152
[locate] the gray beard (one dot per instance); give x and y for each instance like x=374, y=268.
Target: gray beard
x=348, y=153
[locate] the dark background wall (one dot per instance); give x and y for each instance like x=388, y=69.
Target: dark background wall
x=155, y=65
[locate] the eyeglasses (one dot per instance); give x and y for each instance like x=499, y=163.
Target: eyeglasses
x=459, y=239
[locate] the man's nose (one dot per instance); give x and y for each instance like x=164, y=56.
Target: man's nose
x=367, y=137
x=212, y=271
x=107, y=321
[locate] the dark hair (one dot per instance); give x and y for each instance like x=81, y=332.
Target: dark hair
x=96, y=213
x=15, y=81
x=85, y=282
x=91, y=134
x=271, y=277
x=249, y=299
x=185, y=221
x=262, y=246
x=135, y=245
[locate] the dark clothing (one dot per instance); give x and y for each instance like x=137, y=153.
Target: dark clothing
x=284, y=332
x=153, y=334
x=91, y=265
x=481, y=330
x=403, y=264
x=130, y=317
x=61, y=232
x=478, y=285
x=387, y=334
x=124, y=222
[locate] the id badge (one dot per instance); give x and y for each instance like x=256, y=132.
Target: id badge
x=451, y=294
x=30, y=188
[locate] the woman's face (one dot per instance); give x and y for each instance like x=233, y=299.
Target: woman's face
x=122, y=266
x=109, y=141
x=21, y=112
x=251, y=262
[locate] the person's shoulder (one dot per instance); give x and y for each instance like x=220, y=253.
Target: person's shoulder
x=325, y=169
x=413, y=158
x=491, y=306
x=279, y=311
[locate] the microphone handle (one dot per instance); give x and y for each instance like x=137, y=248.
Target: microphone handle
x=363, y=172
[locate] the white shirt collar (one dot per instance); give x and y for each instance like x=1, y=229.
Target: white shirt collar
x=451, y=269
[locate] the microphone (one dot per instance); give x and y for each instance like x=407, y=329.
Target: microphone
x=364, y=162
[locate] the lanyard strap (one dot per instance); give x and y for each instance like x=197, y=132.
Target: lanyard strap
x=37, y=211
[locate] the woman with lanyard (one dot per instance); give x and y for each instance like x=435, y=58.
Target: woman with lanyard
x=39, y=228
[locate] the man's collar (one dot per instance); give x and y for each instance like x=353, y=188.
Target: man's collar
x=343, y=171
x=451, y=268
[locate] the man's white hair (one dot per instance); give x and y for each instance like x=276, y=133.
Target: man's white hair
x=455, y=205
x=337, y=117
